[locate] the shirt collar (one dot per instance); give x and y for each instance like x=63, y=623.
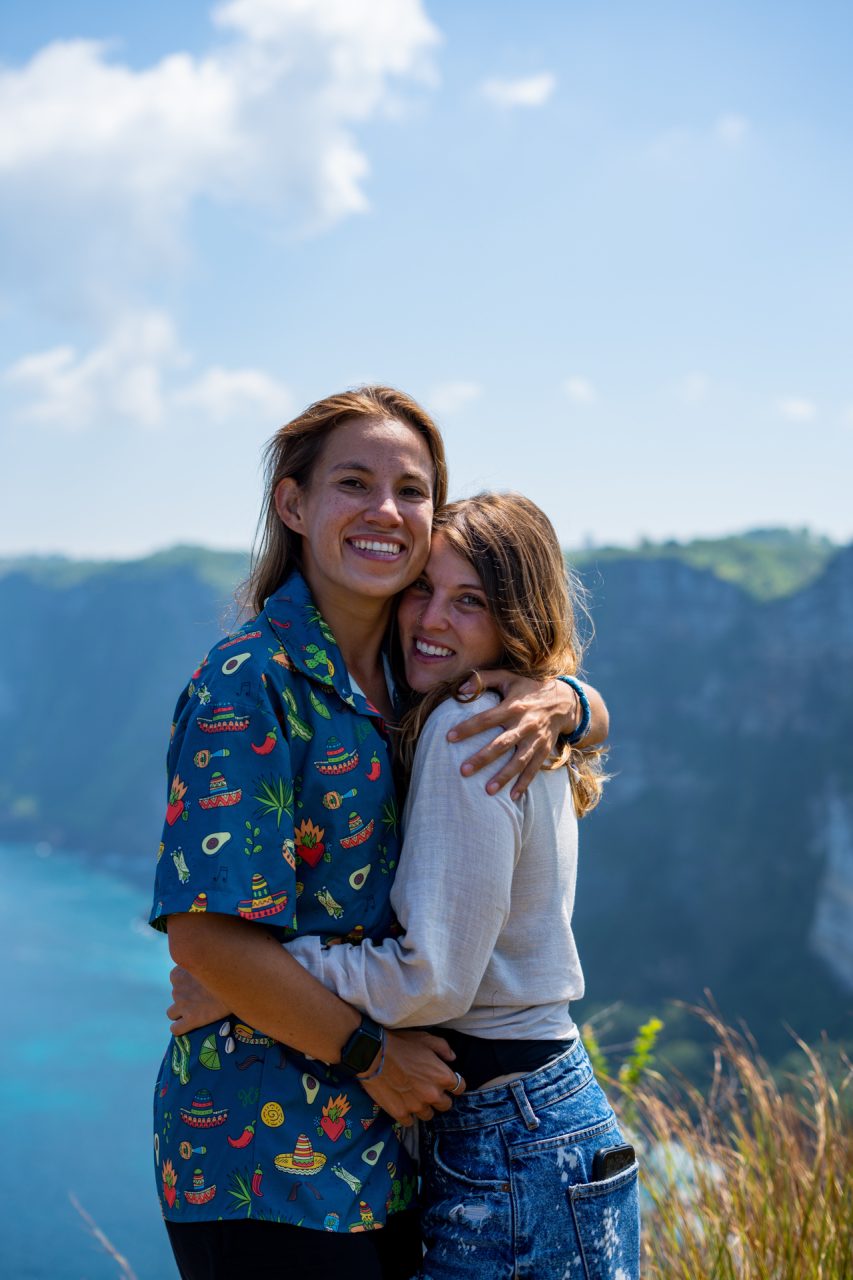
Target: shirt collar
x=309, y=643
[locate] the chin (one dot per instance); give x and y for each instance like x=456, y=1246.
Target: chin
x=422, y=681
x=419, y=681
x=387, y=582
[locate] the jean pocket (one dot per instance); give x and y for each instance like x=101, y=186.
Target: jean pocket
x=607, y=1221
x=473, y=1158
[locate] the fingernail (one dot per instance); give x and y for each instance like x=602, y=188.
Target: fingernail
x=492, y=788
x=515, y=795
x=467, y=687
x=452, y=735
x=467, y=769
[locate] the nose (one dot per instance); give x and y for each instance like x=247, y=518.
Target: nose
x=433, y=616
x=384, y=510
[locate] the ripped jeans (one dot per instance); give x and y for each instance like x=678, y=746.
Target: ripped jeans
x=506, y=1183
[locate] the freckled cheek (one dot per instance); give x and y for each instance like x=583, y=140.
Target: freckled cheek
x=406, y=616
x=420, y=547
x=420, y=526
x=469, y=652
x=486, y=643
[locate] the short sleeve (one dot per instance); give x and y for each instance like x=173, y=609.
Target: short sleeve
x=227, y=844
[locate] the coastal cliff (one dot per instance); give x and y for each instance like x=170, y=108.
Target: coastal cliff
x=721, y=856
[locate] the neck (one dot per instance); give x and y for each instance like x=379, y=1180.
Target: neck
x=358, y=624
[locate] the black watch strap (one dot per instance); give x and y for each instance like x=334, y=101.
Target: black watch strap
x=361, y=1048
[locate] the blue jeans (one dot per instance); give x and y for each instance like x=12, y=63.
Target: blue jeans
x=506, y=1183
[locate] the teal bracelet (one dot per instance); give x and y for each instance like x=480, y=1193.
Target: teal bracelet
x=579, y=733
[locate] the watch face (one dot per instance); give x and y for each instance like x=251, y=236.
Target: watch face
x=361, y=1048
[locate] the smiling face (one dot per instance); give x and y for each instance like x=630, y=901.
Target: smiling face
x=445, y=625
x=366, y=512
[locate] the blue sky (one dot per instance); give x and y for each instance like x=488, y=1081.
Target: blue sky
x=610, y=246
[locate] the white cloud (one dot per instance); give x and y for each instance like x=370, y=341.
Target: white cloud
x=450, y=397
x=227, y=394
x=109, y=159
x=529, y=91
x=140, y=375
x=796, y=408
x=580, y=390
x=731, y=129
x=693, y=388
x=122, y=378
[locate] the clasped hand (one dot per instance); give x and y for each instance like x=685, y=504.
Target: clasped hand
x=415, y=1081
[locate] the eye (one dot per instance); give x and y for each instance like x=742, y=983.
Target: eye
x=472, y=602
x=420, y=587
x=352, y=482
x=413, y=491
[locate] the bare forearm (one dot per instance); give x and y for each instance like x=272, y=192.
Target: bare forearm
x=250, y=972
x=530, y=721
x=256, y=978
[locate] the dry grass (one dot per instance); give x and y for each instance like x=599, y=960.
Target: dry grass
x=746, y=1180
x=125, y=1270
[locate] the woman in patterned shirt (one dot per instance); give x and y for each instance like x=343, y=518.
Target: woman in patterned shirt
x=282, y=813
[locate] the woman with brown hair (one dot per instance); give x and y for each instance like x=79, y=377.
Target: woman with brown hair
x=528, y=1174
x=282, y=822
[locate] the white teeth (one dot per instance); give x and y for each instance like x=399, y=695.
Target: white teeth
x=384, y=548
x=433, y=650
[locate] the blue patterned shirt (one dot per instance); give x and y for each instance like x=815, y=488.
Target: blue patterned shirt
x=281, y=811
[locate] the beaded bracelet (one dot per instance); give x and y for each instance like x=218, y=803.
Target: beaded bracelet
x=582, y=729
x=377, y=1071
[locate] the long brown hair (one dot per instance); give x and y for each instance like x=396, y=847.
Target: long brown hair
x=533, y=599
x=294, y=451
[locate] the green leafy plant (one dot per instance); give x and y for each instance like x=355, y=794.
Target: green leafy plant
x=390, y=816
x=636, y=1065
x=252, y=834
x=633, y=1068
x=274, y=795
x=240, y=1190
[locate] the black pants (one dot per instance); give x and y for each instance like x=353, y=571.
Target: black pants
x=279, y=1251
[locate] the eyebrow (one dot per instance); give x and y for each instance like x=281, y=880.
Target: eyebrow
x=462, y=586
x=368, y=471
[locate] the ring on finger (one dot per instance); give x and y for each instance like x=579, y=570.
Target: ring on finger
x=457, y=1083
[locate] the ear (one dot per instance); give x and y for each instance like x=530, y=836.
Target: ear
x=288, y=503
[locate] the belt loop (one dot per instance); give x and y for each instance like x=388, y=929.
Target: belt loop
x=528, y=1115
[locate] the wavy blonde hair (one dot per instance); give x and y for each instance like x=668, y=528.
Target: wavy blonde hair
x=294, y=451
x=533, y=600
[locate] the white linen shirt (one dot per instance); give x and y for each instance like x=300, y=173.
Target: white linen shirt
x=484, y=891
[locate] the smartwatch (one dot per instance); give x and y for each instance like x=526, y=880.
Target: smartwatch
x=361, y=1048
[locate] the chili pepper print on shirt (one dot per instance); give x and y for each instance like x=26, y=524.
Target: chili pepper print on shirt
x=280, y=811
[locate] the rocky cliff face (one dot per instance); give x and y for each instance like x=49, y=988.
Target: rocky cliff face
x=89, y=675
x=831, y=935
x=721, y=857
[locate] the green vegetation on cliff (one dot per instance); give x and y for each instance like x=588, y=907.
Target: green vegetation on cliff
x=222, y=571
x=767, y=563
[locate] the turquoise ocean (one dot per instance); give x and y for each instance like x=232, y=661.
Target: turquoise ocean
x=85, y=1028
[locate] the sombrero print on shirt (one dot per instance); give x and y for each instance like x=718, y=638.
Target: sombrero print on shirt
x=281, y=812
